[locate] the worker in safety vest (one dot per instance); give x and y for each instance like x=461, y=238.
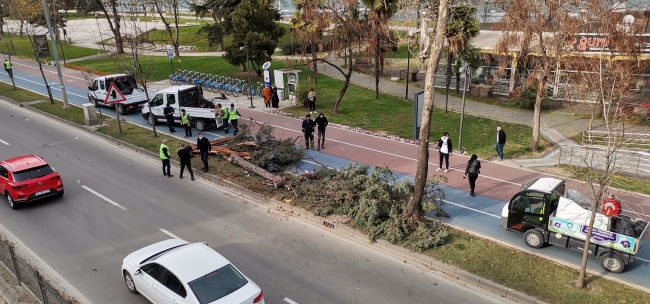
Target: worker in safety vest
x=9, y=69
x=185, y=122
x=233, y=115
x=164, y=156
x=224, y=116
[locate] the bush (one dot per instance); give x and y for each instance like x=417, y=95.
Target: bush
x=303, y=90
x=290, y=47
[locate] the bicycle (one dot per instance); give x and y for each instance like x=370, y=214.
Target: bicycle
x=260, y=87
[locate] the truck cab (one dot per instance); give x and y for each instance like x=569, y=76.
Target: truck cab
x=545, y=215
x=184, y=97
x=126, y=83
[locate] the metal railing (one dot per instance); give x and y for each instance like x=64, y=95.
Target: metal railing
x=629, y=162
x=29, y=277
x=631, y=141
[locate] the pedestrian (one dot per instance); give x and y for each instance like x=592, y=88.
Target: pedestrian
x=185, y=121
x=444, y=144
x=311, y=97
x=185, y=155
x=266, y=92
x=164, y=156
x=169, y=115
x=9, y=68
x=204, y=146
x=321, y=122
x=275, y=99
x=501, y=142
x=233, y=115
x=224, y=117
x=65, y=34
x=308, y=130
x=472, y=170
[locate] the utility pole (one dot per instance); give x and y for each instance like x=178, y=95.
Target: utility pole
x=64, y=96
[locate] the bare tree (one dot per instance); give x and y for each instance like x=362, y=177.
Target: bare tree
x=344, y=26
x=414, y=208
x=114, y=24
x=172, y=7
x=307, y=27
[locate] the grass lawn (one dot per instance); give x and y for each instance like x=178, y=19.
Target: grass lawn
x=189, y=36
x=20, y=95
x=72, y=113
x=160, y=67
x=402, y=52
x=530, y=274
x=23, y=48
x=395, y=116
x=512, y=268
x=619, y=181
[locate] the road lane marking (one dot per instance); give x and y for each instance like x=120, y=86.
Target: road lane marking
x=169, y=233
x=395, y=155
x=108, y=200
x=4, y=142
x=290, y=301
x=46, y=70
x=475, y=210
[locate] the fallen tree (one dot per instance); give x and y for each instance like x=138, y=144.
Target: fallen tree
x=374, y=201
x=237, y=160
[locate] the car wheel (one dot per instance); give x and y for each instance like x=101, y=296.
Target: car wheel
x=612, y=262
x=120, y=109
x=533, y=238
x=152, y=120
x=11, y=202
x=200, y=125
x=128, y=280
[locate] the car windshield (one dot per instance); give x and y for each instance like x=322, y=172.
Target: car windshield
x=32, y=173
x=217, y=284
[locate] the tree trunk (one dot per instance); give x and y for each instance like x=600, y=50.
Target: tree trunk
x=541, y=87
x=115, y=28
x=414, y=208
x=314, y=56
x=580, y=282
x=176, y=41
x=239, y=161
x=347, y=76
x=168, y=29
x=377, y=50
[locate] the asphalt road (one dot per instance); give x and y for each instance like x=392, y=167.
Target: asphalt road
x=117, y=201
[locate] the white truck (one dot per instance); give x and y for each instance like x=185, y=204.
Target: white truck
x=545, y=215
x=202, y=112
x=135, y=96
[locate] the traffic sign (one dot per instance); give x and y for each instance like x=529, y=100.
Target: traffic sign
x=114, y=95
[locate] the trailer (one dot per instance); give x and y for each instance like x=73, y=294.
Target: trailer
x=545, y=215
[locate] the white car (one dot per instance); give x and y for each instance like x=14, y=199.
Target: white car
x=178, y=272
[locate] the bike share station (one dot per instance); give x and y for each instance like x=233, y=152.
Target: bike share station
x=290, y=77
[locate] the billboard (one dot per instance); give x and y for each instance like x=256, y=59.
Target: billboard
x=41, y=46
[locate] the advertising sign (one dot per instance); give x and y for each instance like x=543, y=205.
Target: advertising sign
x=602, y=237
x=41, y=46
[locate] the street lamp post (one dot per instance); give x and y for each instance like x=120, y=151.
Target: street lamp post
x=465, y=70
x=64, y=96
x=408, y=61
x=250, y=86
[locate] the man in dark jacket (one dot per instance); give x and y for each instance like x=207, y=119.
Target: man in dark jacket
x=321, y=122
x=169, y=115
x=204, y=147
x=185, y=155
x=308, y=130
x=275, y=99
x=501, y=141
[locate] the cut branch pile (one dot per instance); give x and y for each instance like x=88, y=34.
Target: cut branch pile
x=223, y=151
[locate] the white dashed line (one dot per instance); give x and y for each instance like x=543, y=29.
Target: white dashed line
x=475, y=210
x=169, y=233
x=4, y=142
x=290, y=301
x=104, y=198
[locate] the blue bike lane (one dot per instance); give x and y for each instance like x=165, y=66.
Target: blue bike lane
x=480, y=214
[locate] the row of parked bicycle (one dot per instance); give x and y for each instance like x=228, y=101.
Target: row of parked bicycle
x=216, y=83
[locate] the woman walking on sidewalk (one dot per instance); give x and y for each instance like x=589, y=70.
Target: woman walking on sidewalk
x=444, y=143
x=472, y=170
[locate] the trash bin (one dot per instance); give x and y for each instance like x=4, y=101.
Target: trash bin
x=414, y=76
x=90, y=116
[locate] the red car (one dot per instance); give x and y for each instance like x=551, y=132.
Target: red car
x=28, y=178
